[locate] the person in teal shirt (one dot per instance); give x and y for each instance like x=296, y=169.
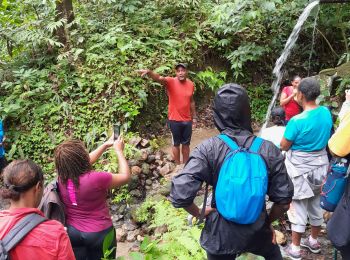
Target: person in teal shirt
x=310, y=130
x=3, y=161
x=305, y=140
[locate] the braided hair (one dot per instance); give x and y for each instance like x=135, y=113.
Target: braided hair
x=71, y=161
x=19, y=177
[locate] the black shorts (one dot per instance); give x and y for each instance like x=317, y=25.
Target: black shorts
x=181, y=132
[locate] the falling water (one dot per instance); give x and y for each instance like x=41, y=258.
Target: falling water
x=313, y=40
x=284, y=56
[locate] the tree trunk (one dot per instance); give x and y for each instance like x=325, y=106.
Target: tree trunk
x=64, y=9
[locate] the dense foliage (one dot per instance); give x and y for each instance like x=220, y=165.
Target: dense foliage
x=67, y=68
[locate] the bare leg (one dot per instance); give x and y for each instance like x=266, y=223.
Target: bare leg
x=296, y=238
x=185, y=152
x=176, y=154
x=315, y=231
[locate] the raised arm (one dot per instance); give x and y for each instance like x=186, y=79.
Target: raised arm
x=96, y=154
x=124, y=176
x=155, y=76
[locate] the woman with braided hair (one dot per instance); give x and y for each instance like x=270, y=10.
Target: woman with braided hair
x=83, y=191
x=23, y=187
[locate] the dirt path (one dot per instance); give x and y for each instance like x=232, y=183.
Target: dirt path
x=198, y=136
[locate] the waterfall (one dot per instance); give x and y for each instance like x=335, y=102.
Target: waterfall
x=284, y=56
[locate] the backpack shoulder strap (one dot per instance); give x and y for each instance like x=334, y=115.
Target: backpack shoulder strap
x=21, y=229
x=229, y=142
x=256, y=144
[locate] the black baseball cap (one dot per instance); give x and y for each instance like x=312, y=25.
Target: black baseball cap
x=184, y=65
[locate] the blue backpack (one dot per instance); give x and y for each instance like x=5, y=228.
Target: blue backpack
x=242, y=184
x=334, y=185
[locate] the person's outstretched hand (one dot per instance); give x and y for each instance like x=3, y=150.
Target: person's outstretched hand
x=109, y=142
x=119, y=144
x=142, y=72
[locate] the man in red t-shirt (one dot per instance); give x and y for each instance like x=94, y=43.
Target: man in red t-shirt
x=181, y=110
x=287, y=100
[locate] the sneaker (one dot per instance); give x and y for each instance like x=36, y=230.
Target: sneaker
x=290, y=254
x=316, y=248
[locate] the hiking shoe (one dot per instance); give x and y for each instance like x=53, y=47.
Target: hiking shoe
x=290, y=254
x=316, y=248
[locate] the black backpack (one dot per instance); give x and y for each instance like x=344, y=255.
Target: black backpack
x=18, y=232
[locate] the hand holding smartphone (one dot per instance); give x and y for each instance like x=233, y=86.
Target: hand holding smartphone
x=116, y=131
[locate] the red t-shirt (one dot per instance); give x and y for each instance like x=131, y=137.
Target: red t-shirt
x=179, y=94
x=91, y=213
x=47, y=241
x=292, y=108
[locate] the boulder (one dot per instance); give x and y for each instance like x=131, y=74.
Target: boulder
x=165, y=189
x=136, y=170
x=161, y=230
x=166, y=169
x=121, y=209
x=149, y=182
x=159, y=155
x=160, y=162
x=129, y=226
x=134, y=182
x=133, y=162
x=151, y=158
x=121, y=234
x=134, y=141
x=144, y=142
x=146, y=169
x=132, y=235
x=136, y=193
x=144, y=154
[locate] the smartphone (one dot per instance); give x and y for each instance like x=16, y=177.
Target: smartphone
x=116, y=131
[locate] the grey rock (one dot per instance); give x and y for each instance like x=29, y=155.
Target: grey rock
x=134, y=182
x=165, y=189
x=129, y=226
x=114, y=207
x=166, y=169
x=161, y=230
x=151, y=158
x=135, y=140
x=149, y=182
x=144, y=143
x=148, y=187
x=158, y=156
x=144, y=154
x=121, y=209
x=140, y=238
x=121, y=234
x=136, y=193
x=160, y=162
x=132, y=235
x=133, y=162
x=136, y=170
x=146, y=169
